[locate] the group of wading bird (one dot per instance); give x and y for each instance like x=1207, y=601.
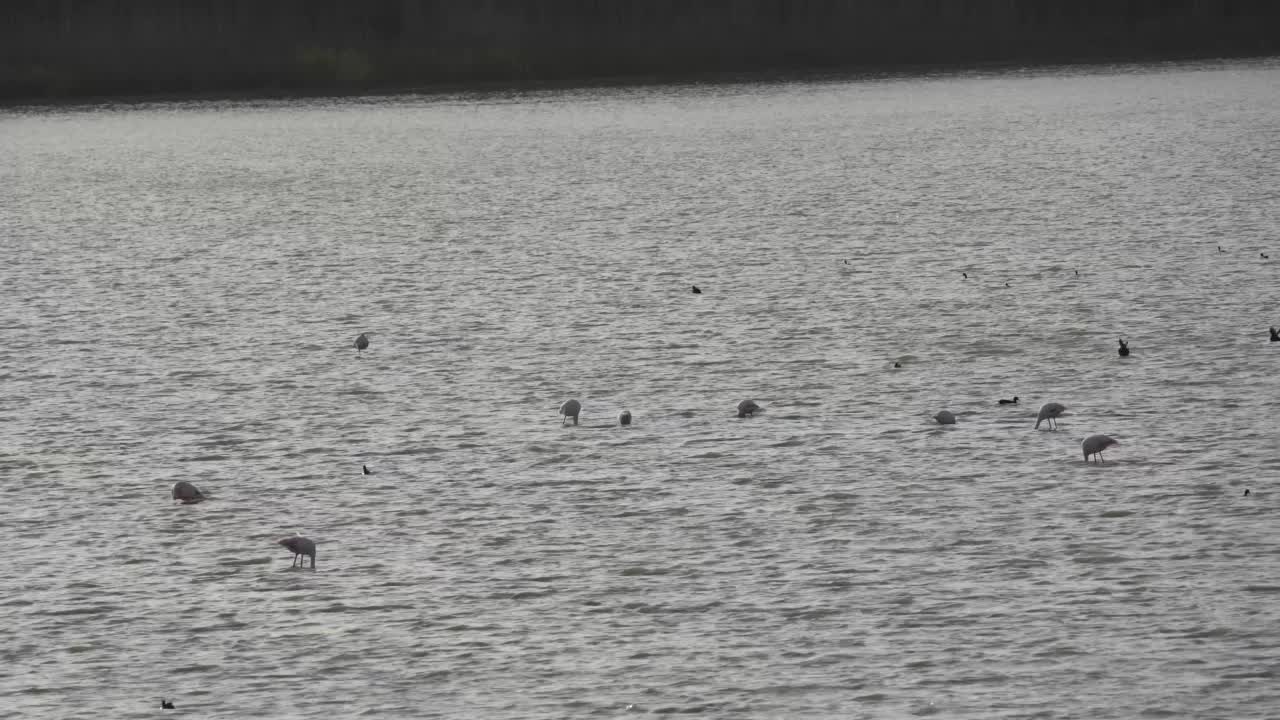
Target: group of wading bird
x=303, y=547
x=1050, y=412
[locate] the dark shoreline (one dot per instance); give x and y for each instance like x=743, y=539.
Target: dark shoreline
x=52, y=51
x=501, y=87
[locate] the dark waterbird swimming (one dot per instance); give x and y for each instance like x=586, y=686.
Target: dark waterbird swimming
x=364, y=470
x=1275, y=335
x=1265, y=256
x=696, y=290
x=1124, y=348
x=362, y=342
x=1014, y=401
x=165, y=704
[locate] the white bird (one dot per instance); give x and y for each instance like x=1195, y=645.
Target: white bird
x=187, y=493
x=945, y=417
x=362, y=342
x=1095, y=444
x=570, y=409
x=301, y=547
x=624, y=417
x=1050, y=412
x=748, y=408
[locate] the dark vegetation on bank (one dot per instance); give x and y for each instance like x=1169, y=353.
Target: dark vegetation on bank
x=78, y=48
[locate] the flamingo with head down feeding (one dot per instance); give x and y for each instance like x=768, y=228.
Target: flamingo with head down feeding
x=1050, y=412
x=1095, y=444
x=302, y=548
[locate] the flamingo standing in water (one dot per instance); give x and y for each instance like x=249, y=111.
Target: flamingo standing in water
x=1095, y=444
x=570, y=409
x=301, y=547
x=1050, y=412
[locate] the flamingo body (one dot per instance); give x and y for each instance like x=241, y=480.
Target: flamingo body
x=186, y=493
x=570, y=409
x=1050, y=412
x=1095, y=444
x=301, y=547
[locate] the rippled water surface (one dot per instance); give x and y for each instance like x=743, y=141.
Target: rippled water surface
x=182, y=284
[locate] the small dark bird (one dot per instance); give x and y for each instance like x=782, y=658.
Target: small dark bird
x=364, y=470
x=1275, y=335
x=1006, y=284
x=966, y=275
x=897, y=364
x=1265, y=256
x=362, y=342
x=1077, y=273
x=165, y=704
x=1124, y=348
x=846, y=262
x=1014, y=401
x=1220, y=249
x=1246, y=492
x=696, y=291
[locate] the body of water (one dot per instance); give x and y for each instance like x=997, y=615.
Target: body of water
x=182, y=283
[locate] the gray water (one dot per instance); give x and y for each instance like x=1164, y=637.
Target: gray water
x=182, y=283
